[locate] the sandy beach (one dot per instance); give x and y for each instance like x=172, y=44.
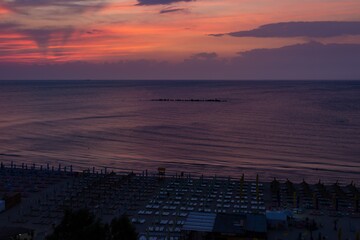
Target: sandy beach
x=159, y=207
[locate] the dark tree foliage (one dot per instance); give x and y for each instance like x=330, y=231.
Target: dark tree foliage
x=82, y=225
x=77, y=226
x=122, y=229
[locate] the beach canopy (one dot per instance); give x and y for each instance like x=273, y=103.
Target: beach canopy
x=230, y=223
x=200, y=222
x=276, y=215
x=256, y=223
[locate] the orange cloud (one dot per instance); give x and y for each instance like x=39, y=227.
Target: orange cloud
x=117, y=8
x=121, y=30
x=3, y=10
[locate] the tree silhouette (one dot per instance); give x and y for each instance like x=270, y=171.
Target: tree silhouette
x=122, y=229
x=77, y=226
x=83, y=225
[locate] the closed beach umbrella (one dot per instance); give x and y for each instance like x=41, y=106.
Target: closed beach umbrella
x=315, y=201
x=334, y=201
x=241, y=184
x=305, y=187
x=289, y=186
x=275, y=189
x=278, y=198
x=337, y=204
x=257, y=188
x=274, y=185
x=298, y=202
x=340, y=234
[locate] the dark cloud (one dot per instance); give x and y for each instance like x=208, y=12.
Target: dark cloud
x=302, y=61
x=205, y=55
x=8, y=26
x=311, y=60
x=217, y=34
x=93, y=31
x=62, y=6
x=41, y=36
x=160, y=2
x=300, y=29
x=173, y=10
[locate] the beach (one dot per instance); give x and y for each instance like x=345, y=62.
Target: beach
x=161, y=206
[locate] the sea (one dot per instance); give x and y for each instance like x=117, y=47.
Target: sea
x=285, y=129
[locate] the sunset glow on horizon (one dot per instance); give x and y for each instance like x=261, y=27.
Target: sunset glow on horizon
x=97, y=31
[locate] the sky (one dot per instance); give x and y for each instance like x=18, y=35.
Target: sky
x=179, y=39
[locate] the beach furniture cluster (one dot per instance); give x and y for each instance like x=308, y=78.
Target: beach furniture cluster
x=168, y=206
x=319, y=199
x=167, y=211
x=20, y=182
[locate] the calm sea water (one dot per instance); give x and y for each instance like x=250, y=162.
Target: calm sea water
x=279, y=129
